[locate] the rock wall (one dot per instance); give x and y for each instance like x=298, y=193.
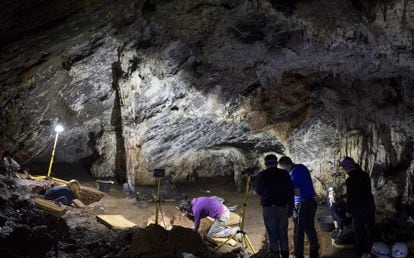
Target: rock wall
x=206, y=87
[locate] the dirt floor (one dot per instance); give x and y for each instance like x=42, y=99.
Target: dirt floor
x=142, y=213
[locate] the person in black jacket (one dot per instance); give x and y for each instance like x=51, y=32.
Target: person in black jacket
x=360, y=203
x=276, y=193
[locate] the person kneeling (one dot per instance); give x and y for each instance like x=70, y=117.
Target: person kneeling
x=338, y=211
x=209, y=206
x=64, y=194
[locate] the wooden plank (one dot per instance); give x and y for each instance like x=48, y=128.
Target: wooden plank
x=220, y=240
x=50, y=206
x=78, y=203
x=45, y=178
x=116, y=222
x=341, y=246
x=234, y=219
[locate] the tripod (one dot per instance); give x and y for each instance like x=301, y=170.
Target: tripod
x=158, y=173
x=158, y=203
x=245, y=240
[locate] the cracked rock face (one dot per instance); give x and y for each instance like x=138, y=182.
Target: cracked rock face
x=207, y=87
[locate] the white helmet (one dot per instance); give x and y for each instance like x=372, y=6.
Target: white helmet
x=380, y=250
x=399, y=250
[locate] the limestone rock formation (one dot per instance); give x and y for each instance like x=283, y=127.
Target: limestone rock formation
x=206, y=87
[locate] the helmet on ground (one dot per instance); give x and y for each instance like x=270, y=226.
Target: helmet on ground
x=399, y=250
x=380, y=250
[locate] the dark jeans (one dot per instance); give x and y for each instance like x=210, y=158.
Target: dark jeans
x=276, y=223
x=342, y=220
x=62, y=200
x=304, y=218
x=363, y=219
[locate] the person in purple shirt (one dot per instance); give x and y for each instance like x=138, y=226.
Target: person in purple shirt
x=202, y=207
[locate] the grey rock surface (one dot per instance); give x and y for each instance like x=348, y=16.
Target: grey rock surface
x=168, y=192
x=207, y=87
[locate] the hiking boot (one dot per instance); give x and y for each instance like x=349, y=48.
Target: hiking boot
x=284, y=254
x=314, y=254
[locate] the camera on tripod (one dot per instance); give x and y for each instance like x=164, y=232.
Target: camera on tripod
x=159, y=172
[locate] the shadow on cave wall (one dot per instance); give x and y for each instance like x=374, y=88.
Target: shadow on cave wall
x=116, y=121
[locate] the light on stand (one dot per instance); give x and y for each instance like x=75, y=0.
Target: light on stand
x=58, y=129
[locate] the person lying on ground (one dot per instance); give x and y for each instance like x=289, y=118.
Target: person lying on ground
x=202, y=207
x=64, y=194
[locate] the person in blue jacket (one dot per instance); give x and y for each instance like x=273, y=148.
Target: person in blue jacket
x=305, y=207
x=64, y=194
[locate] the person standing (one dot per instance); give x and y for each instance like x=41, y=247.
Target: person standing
x=305, y=207
x=276, y=197
x=360, y=203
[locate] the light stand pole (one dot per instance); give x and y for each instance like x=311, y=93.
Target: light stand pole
x=58, y=129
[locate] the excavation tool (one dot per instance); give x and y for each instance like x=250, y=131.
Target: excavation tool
x=245, y=241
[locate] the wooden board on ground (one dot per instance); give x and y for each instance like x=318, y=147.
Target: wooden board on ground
x=78, y=203
x=220, y=240
x=233, y=220
x=116, y=222
x=50, y=206
x=341, y=246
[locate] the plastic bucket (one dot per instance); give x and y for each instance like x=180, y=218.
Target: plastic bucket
x=326, y=223
x=104, y=185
